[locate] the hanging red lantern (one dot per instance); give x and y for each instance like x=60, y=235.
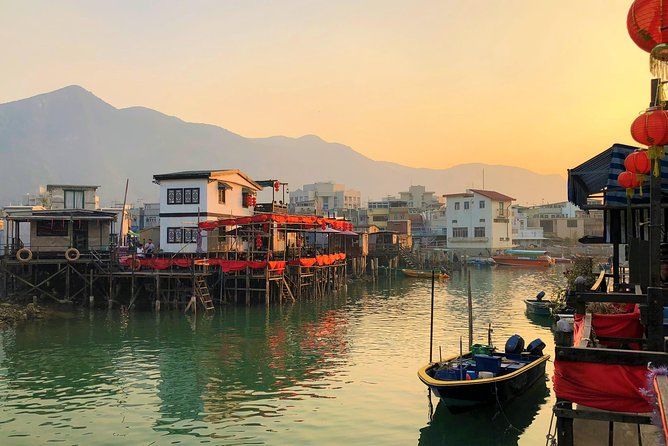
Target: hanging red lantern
x=651, y=129
x=647, y=23
x=638, y=162
x=277, y=186
x=258, y=242
x=629, y=181
x=253, y=200
x=323, y=226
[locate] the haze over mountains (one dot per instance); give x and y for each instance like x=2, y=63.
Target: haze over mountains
x=71, y=136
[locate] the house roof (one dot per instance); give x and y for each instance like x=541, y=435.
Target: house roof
x=190, y=174
x=71, y=186
x=63, y=214
x=492, y=195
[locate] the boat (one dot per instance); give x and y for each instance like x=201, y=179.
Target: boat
x=538, y=306
x=424, y=274
x=523, y=258
x=480, y=261
x=562, y=259
x=481, y=377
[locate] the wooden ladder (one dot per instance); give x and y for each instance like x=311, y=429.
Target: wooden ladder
x=202, y=292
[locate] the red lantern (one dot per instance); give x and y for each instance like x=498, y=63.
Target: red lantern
x=647, y=25
x=638, y=162
x=651, y=128
x=628, y=180
x=277, y=186
x=323, y=226
x=253, y=201
x=258, y=242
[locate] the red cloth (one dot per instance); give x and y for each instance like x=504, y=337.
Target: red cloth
x=602, y=386
x=622, y=325
x=304, y=261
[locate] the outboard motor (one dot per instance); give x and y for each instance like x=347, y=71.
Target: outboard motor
x=540, y=296
x=514, y=345
x=535, y=347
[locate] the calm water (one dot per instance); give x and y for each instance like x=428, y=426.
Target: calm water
x=334, y=371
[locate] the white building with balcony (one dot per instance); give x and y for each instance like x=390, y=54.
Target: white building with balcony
x=189, y=197
x=479, y=222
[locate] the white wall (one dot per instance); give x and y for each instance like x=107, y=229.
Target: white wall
x=208, y=204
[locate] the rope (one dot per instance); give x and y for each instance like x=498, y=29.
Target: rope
x=550, y=438
x=498, y=402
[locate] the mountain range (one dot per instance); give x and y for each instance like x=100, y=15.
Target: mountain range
x=70, y=136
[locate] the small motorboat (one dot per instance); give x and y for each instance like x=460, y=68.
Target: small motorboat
x=480, y=377
x=419, y=274
x=480, y=261
x=523, y=258
x=538, y=306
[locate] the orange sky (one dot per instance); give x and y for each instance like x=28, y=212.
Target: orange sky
x=532, y=83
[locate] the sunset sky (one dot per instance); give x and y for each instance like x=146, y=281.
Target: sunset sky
x=533, y=83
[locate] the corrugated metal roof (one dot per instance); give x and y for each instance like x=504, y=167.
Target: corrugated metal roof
x=599, y=174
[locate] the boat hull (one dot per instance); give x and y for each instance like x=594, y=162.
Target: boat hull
x=488, y=390
x=539, y=262
x=423, y=274
x=538, y=308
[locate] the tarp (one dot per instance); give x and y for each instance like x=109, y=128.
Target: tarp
x=604, y=386
x=622, y=325
x=310, y=221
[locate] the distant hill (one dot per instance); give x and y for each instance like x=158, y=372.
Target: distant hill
x=72, y=136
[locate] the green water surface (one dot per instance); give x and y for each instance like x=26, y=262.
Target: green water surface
x=335, y=371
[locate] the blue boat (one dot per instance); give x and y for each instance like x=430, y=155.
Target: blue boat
x=473, y=379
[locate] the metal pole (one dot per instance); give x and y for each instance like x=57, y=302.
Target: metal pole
x=125, y=199
x=470, y=308
x=431, y=322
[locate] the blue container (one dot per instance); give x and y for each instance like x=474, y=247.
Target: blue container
x=487, y=363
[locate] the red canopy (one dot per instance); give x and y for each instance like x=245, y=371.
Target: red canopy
x=311, y=221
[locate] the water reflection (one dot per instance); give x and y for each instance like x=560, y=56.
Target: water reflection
x=328, y=371
x=489, y=425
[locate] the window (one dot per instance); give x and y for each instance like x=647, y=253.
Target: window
x=174, y=235
x=244, y=199
x=189, y=235
x=466, y=205
x=74, y=199
x=47, y=228
x=460, y=232
x=479, y=231
x=481, y=205
x=456, y=205
x=454, y=222
x=191, y=195
x=482, y=220
x=221, y=195
x=174, y=196
x=571, y=223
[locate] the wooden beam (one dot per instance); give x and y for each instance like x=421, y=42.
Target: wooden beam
x=615, y=417
x=611, y=356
